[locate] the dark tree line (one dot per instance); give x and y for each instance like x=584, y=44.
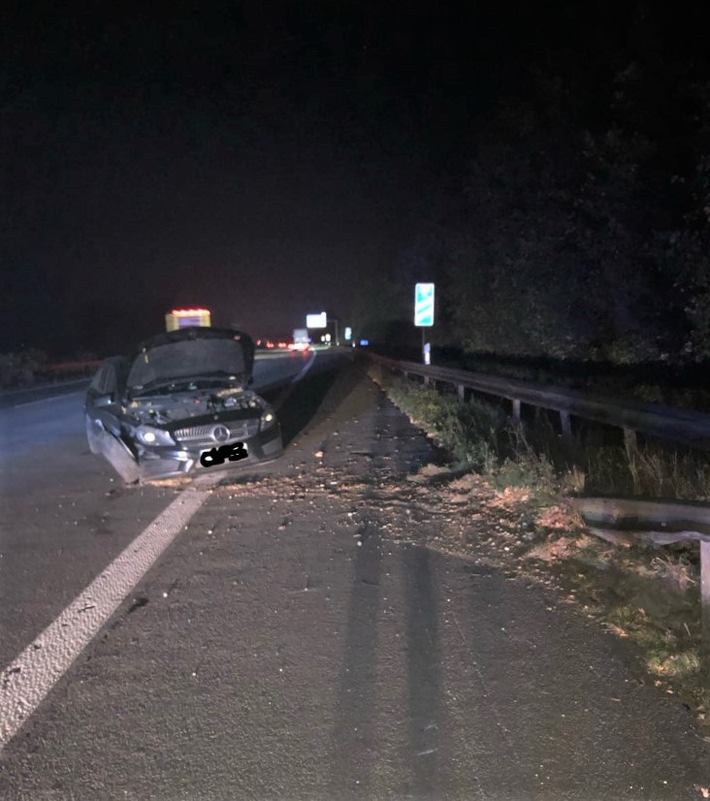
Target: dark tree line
x=577, y=225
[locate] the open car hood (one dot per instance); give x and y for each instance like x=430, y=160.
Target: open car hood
x=221, y=353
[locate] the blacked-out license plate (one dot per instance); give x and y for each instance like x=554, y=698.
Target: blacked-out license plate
x=224, y=453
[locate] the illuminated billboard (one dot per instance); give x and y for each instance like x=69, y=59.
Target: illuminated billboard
x=316, y=320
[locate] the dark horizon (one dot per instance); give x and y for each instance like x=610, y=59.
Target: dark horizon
x=262, y=160
x=243, y=160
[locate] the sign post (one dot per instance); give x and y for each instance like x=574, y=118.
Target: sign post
x=337, y=335
x=424, y=314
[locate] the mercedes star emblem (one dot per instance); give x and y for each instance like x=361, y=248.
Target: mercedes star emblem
x=220, y=433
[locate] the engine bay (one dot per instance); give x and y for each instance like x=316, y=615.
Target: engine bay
x=185, y=405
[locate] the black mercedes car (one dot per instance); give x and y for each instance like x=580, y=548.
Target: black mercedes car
x=179, y=405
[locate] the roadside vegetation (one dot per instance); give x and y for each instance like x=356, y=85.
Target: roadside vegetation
x=680, y=384
x=21, y=368
x=646, y=595
x=30, y=367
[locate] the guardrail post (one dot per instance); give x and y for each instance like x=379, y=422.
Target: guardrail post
x=461, y=389
x=516, y=410
x=630, y=441
x=566, y=425
x=705, y=596
x=426, y=380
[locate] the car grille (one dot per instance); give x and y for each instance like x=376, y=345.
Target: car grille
x=238, y=430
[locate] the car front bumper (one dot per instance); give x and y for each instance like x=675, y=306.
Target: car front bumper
x=169, y=462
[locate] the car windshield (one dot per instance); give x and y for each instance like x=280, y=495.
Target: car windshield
x=188, y=359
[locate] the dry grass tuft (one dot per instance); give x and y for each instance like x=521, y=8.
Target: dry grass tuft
x=676, y=664
x=617, y=630
x=510, y=497
x=679, y=573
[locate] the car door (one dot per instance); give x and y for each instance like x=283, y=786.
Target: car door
x=102, y=398
x=103, y=423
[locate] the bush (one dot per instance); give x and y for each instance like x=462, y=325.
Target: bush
x=20, y=369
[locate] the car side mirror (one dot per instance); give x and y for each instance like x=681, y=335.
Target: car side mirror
x=103, y=400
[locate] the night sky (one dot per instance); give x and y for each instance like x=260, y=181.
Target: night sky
x=257, y=158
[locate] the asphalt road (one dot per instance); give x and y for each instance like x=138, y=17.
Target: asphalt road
x=285, y=646
x=65, y=514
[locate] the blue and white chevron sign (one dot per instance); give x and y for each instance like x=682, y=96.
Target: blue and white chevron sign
x=424, y=304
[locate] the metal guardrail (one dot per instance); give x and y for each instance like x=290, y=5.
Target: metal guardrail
x=47, y=380
x=49, y=374
x=626, y=520
x=66, y=370
x=665, y=422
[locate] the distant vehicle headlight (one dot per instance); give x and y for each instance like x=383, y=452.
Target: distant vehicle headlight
x=153, y=436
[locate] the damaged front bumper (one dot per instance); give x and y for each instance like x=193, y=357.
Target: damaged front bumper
x=160, y=462
x=163, y=462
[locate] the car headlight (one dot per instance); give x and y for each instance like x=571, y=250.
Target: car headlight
x=153, y=436
x=267, y=419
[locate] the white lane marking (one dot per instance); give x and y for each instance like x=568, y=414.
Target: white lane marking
x=29, y=678
x=289, y=388
x=41, y=400
x=42, y=388
x=306, y=367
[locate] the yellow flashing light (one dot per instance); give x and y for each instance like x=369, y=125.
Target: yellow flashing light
x=181, y=318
